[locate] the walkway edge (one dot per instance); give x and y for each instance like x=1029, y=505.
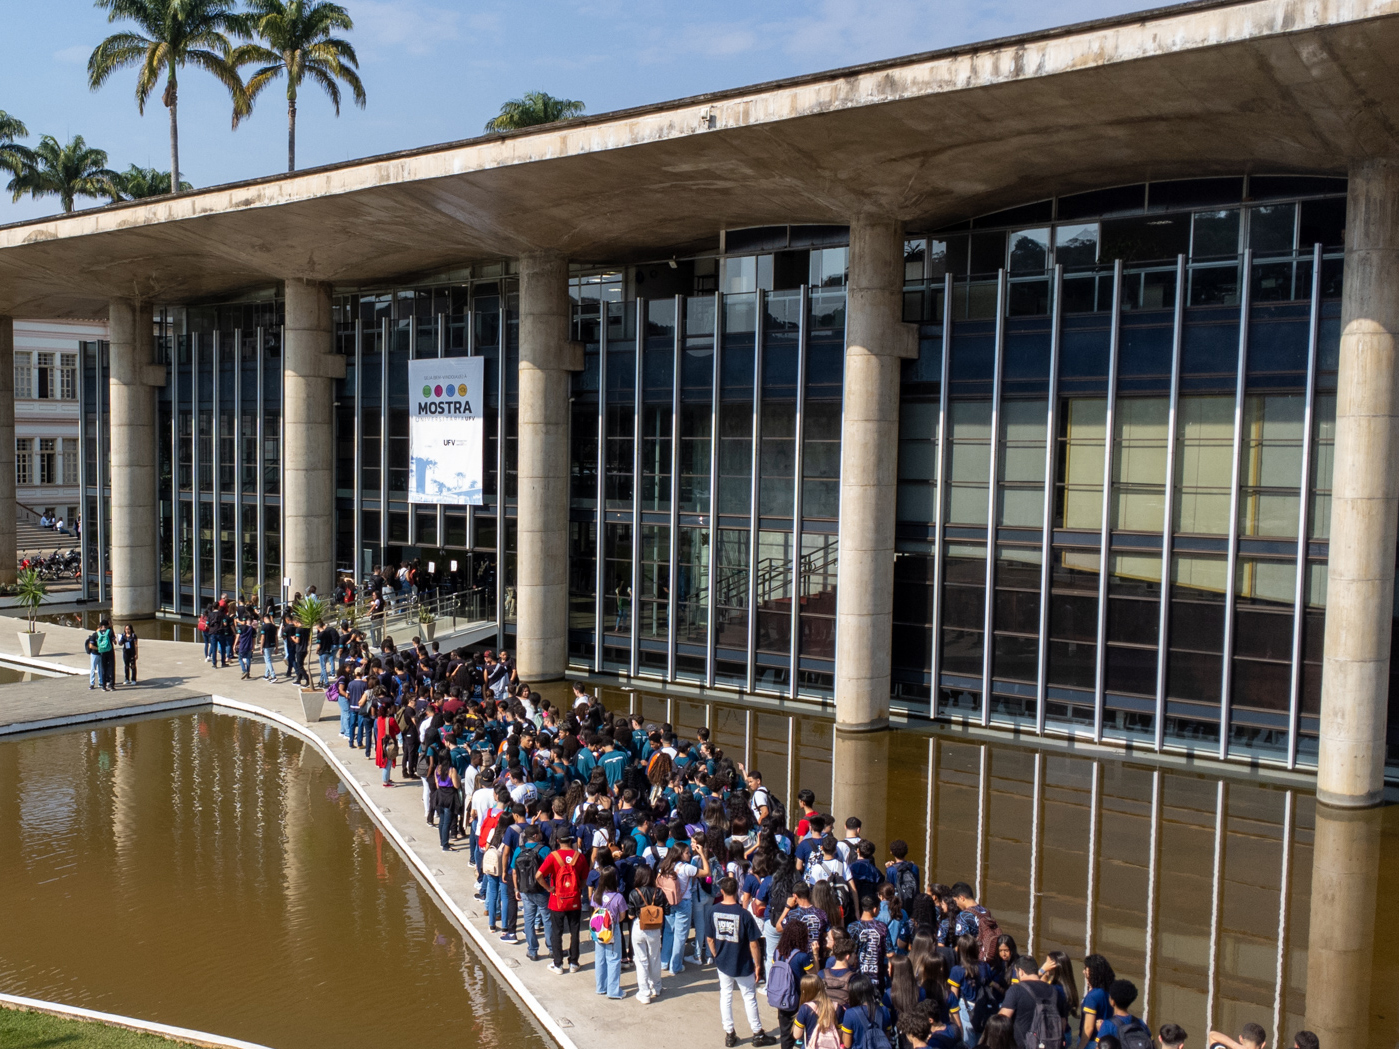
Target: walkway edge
x=444, y=899
x=112, y=714
x=73, y=1012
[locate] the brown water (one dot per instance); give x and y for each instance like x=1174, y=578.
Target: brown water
x=89, y=618
x=1225, y=901
x=210, y=872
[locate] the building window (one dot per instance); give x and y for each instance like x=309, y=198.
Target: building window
x=24, y=376
x=24, y=460
x=44, y=376
x=70, y=460
x=48, y=460
x=68, y=380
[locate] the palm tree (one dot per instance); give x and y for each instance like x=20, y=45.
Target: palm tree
x=137, y=183
x=176, y=33
x=299, y=44
x=66, y=172
x=13, y=156
x=533, y=107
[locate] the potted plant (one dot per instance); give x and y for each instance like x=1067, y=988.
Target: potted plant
x=308, y=612
x=31, y=591
x=428, y=621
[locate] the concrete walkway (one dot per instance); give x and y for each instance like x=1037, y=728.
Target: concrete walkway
x=175, y=677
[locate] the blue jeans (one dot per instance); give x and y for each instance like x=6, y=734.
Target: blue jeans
x=221, y=650
x=327, y=663
x=208, y=643
x=677, y=929
x=344, y=715
x=607, y=965
x=360, y=729
x=267, y=661
x=495, y=898
x=94, y=669
x=534, y=906
x=702, y=908
x=245, y=660
x=444, y=824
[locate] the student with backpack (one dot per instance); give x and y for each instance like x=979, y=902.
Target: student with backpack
x=817, y=1023
x=605, y=925
x=1129, y=1031
x=791, y=962
x=902, y=873
x=106, y=643
x=564, y=871
x=865, y=1023
x=737, y=947
x=976, y=920
x=970, y=979
x=1097, y=978
x=1038, y=1010
x=647, y=906
x=534, y=901
x=673, y=877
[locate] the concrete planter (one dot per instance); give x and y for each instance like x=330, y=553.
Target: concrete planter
x=427, y=630
x=312, y=704
x=31, y=642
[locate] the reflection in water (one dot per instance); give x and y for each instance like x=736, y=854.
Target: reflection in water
x=209, y=872
x=1225, y=901
x=89, y=618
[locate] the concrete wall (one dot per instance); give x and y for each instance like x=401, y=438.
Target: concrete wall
x=1365, y=497
x=134, y=533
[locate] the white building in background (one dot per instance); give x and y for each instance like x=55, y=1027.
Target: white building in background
x=46, y=413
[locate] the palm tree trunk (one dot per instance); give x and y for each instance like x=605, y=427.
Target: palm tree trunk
x=174, y=141
x=291, y=134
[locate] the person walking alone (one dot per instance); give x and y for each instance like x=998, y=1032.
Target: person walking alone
x=128, y=654
x=736, y=943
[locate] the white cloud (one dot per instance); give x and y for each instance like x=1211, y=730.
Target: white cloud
x=410, y=25
x=76, y=55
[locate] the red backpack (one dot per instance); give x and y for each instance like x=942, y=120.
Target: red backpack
x=566, y=878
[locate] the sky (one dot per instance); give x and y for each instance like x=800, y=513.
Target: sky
x=437, y=70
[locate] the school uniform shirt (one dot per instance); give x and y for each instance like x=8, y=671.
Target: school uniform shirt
x=866, y=877
x=814, y=918
x=966, y=985
x=872, y=947
x=1116, y=1026
x=805, y=1021
x=833, y=869
x=857, y=1020
x=1022, y=998
x=1096, y=1005
x=614, y=763
x=734, y=932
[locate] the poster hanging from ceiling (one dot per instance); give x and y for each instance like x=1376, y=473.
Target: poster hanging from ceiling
x=446, y=430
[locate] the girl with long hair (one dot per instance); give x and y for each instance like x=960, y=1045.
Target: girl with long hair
x=1097, y=978
x=817, y=1023
x=865, y=1013
x=1058, y=969
x=609, y=911
x=904, y=993
x=792, y=951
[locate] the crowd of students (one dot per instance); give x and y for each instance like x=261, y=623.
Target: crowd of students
x=581, y=822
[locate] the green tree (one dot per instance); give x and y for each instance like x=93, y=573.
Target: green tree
x=13, y=156
x=137, y=183
x=297, y=41
x=65, y=172
x=173, y=34
x=531, y=108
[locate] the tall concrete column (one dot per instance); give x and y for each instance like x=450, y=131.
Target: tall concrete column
x=1365, y=495
x=860, y=784
x=876, y=341
x=7, y=450
x=134, y=532
x=308, y=423
x=1346, y=871
x=546, y=358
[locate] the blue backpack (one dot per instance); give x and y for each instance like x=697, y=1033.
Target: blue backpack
x=782, y=990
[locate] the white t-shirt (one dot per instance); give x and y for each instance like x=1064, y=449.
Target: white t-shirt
x=468, y=779
x=482, y=801
x=827, y=870
x=684, y=873
x=761, y=800
x=524, y=793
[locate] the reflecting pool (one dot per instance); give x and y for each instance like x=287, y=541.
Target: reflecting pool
x=1226, y=901
x=210, y=872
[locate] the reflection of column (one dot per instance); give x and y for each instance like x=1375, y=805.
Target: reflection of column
x=134, y=535
x=876, y=339
x=860, y=783
x=1341, y=941
x=7, y=440
x=308, y=420
x=1360, y=592
x=541, y=562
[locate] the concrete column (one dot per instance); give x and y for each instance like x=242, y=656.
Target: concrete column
x=860, y=785
x=541, y=573
x=7, y=450
x=876, y=341
x=1365, y=494
x=134, y=531
x=308, y=457
x=1341, y=942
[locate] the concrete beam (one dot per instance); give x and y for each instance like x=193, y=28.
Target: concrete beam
x=134, y=536
x=546, y=358
x=1364, y=498
x=8, y=554
x=308, y=419
x=877, y=341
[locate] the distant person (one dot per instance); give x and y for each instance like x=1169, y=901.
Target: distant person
x=1251, y=1036
x=128, y=645
x=106, y=655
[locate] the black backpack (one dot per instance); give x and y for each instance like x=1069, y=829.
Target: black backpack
x=1047, y=1026
x=905, y=882
x=527, y=868
x=1132, y=1033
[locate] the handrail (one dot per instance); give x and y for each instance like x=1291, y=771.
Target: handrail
x=473, y=605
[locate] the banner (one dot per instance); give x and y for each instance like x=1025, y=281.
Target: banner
x=446, y=430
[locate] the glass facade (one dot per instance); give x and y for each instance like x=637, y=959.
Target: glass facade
x=1114, y=461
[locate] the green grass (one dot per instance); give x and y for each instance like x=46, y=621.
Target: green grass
x=21, y=1030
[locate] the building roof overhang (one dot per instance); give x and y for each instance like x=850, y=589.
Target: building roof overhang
x=1295, y=86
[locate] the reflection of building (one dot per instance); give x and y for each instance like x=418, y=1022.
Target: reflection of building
x=46, y=414
x=968, y=384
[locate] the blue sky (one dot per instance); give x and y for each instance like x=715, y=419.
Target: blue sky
x=436, y=70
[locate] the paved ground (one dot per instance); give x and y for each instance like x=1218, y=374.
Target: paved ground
x=175, y=674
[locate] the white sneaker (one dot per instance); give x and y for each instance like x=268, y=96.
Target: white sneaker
x=554, y=968
x=643, y=1000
